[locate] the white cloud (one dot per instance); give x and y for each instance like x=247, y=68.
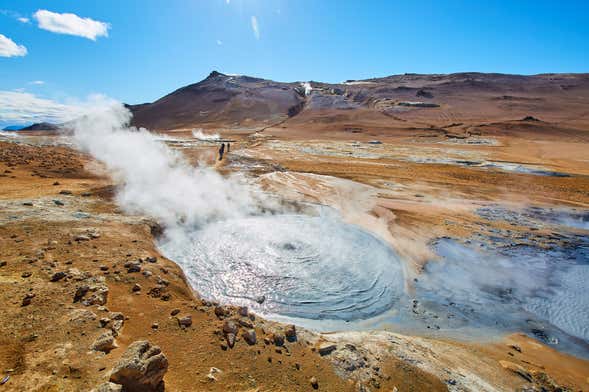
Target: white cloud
x=255, y=27
x=37, y=82
x=227, y=1
x=23, y=20
x=9, y=48
x=17, y=107
x=71, y=24
x=219, y=42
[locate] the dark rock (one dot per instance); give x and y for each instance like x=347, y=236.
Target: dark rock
x=57, y=276
x=81, y=292
x=175, y=312
x=291, y=333
x=314, y=383
x=185, y=321
x=249, y=336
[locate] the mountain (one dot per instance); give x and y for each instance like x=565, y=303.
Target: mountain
x=43, y=126
x=397, y=101
x=12, y=128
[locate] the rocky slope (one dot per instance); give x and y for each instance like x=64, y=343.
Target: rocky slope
x=407, y=101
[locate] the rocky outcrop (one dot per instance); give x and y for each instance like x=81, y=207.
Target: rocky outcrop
x=141, y=368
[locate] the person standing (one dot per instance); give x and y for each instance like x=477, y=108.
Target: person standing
x=221, y=151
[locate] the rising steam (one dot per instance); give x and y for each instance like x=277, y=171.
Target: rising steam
x=155, y=180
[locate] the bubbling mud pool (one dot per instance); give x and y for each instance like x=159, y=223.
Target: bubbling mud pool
x=309, y=267
x=322, y=273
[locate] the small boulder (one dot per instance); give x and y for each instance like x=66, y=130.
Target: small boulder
x=185, y=322
x=136, y=287
x=57, y=276
x=314, y=383
x=141, y=368
x=291, y=333
x=278, y=339
x=104, y=343
x=249, y=336
x=326, y=348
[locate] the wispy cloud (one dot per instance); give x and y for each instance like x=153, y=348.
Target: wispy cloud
x=9, y=48
x=71, y=24
x=23, y=19
x=255, y=27
x=219, y=42
x=37, y=82
x=17, y=107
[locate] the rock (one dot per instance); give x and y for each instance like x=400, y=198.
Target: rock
x=245, y=323
x=133, y=268
x=80, y=238
x=104, y=322
x=104, y=343
x=136, y=287
x=3, y=263
x=278, y=339
x=57, y=276
x=291, y=333
x=117, y=325
x=249, y=336
x=175, y=312
x=116, y=316
x=229, y=326
x=141, y=368
x=326, y=348
x=65, y=192
x=151, y=259
x=108, y=387
x=27, y=299
x=185, y=321
x=220, y=311
x=26, y=274
x=27, y=203
x=242, y=311
x=81, y=292
x=261, y=299
x=314, y=383
x=81, y=316
x=98, y=297
x=230, y=337
x=212, y=372
x=155, y=325
x=58, y=202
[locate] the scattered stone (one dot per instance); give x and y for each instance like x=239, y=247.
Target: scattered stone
x=26, y=274
x=516, y=348
x=27, y=203
x=136, y=287
x=245, y=323
x=104, y=343
x=98, y=297
x=242, y=311
x=104, y=322
x=3, y=263
x=81, y=292
x=230, y=337
x=141, y=368
x=229, y=326
x=27, y=299
x=81, y=237
x=175, y=312
x=249, y=336
x=65, y=192
x=278, y=339
x=86, y=194
x=291, y=333
x=147, y=273
x=212, y=372
x=58, y=202
x=185, y=321
x=314, y=383
x=220, y=311
x=56, y=183
x=57, y=276
x=155, y=325
x=326, y=348
x=104, y=267
x=133, y=268
x=261, y=299
x=117, y=325
x=151, y=259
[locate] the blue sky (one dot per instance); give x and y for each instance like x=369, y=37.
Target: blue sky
x=154, y=47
